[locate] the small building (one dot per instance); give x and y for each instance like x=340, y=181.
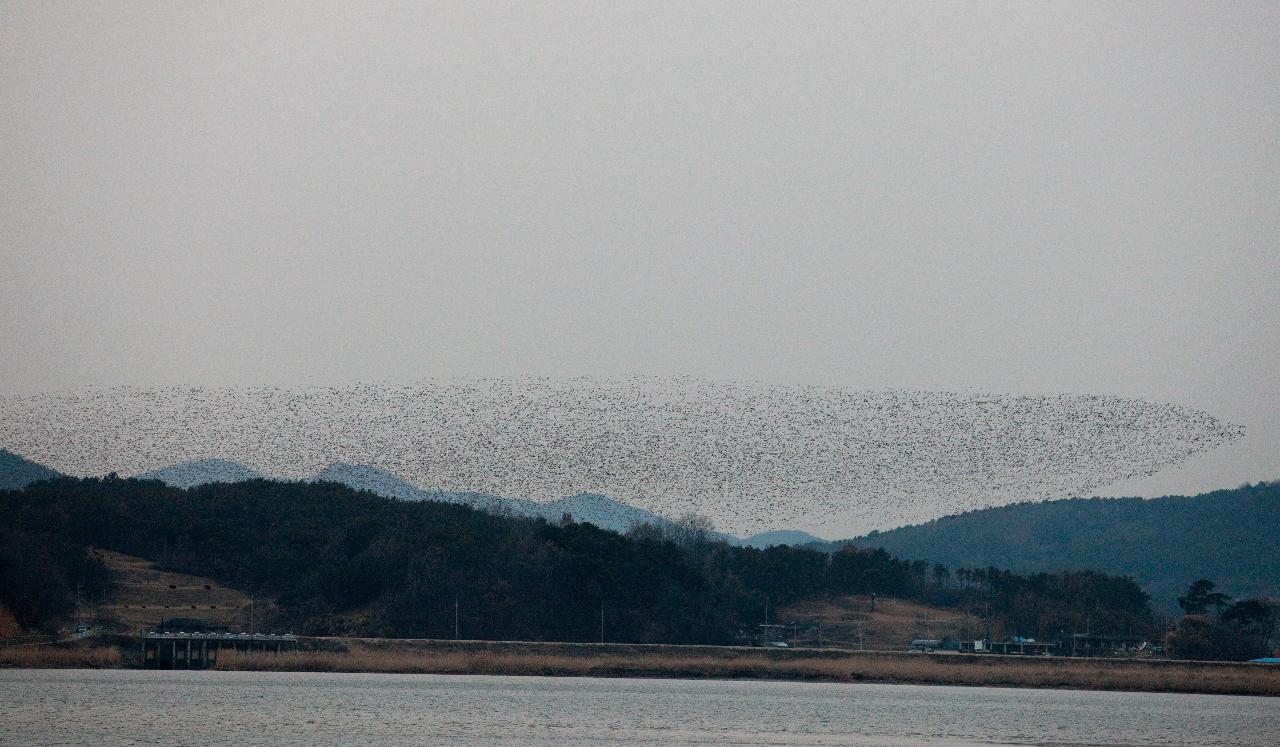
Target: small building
x=1098, y=644
x=1018, y=646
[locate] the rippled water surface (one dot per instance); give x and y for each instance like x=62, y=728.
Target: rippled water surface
x=80, y=707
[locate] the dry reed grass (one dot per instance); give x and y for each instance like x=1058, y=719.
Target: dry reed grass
x=901, y=668
x=56, y=657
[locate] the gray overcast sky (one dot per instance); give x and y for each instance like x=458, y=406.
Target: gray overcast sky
x=1013, y=198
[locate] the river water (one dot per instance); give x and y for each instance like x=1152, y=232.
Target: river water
x=111, y=707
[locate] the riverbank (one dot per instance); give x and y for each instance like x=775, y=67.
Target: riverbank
x=715, y=662
x=394, y=656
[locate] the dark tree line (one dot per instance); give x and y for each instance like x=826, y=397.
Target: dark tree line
x=1214, y=627
x=346, y=562
x=1051, y=606
x=42, y=573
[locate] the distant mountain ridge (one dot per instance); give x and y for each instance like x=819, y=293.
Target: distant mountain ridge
x=390, y=485
x=201, y=472
x=17, y=472
x=601, y=510
x=1229, y=536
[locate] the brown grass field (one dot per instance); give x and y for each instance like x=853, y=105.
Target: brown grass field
x=855, y=622
x=698, y=662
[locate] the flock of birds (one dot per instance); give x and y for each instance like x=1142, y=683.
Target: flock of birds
x=749, y=456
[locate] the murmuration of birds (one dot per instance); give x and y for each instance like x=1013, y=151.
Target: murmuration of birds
x=749, y=456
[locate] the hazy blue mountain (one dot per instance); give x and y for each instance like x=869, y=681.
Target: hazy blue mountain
x=600, y=510
x=1228, y=536
x=374, y=480
x=792, y=537
x=16, y=472
x=390, y=485
x=201, y=472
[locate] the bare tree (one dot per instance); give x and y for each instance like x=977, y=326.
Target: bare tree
x=692, y=531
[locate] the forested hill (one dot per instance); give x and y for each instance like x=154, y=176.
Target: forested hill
x=338, y=561
x=17, y=473
x=1229, y=536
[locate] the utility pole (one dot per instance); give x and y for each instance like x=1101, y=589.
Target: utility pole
x=455, y=617
x=602, y=621
x=79, y=613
